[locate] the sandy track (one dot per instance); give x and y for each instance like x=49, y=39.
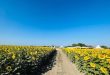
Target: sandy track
x=63, y=66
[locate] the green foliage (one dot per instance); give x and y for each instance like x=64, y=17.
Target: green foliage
x=20, y=60
x=79, y=44
x=90, y=61
x=105, y=47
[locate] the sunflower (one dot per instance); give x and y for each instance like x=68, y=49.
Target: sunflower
x=86, y=58
x=108, y=60
x=101, y=56
x=93, y=65
x=9, y=68
x=103, y=70
x=13, y=56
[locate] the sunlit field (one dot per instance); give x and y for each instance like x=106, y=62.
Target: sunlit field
x=24, y=60
x=37, y=60
x=54, y=37
x=90, y=61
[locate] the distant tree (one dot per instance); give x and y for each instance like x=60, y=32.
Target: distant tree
x=73, y=45
x=79, y=44
x=105, y=47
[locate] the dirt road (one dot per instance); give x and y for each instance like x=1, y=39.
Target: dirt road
x=63, y=66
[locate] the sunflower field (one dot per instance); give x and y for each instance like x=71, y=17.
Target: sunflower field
x=90, y=61
x=22, y=60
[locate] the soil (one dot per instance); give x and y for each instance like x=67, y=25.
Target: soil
x=63, y=66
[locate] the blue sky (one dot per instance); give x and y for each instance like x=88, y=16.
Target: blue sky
x=54, y=22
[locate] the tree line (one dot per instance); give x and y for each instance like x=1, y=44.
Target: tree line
x=84, y=45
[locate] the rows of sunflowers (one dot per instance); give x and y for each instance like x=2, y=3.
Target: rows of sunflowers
x=90, y=61
x=19, y=60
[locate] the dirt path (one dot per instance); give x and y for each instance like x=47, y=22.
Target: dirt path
x=63, y=66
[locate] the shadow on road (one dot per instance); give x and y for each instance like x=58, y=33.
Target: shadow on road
x=43, y=65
